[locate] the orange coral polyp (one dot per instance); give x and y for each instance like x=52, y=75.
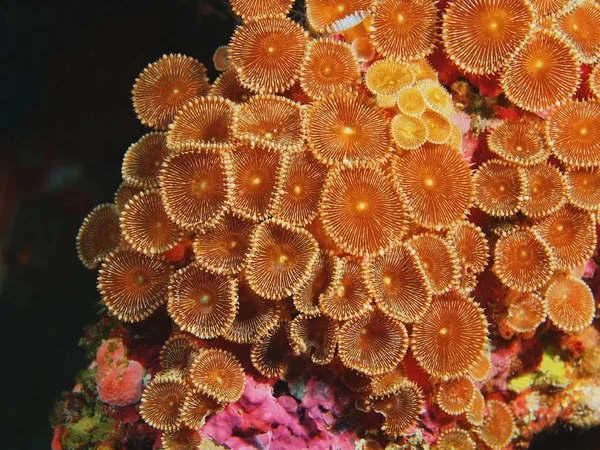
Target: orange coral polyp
x=373, y=343
x=573, y=132
x=99, y=234
x=281, y=259
x=427, y=173
x=324, y=274
x=196, y=407
x=390, y=382
x=255, y=316
x=439, y=261
x=227, y=86
x=499, y=427
x=165, y=86
x=178, y=353
x=570, y=303
x=142, y=161
x=523, y=261
x=398, y=283
x=316, y=334
x=543, y=73
x=436, y=97
x=162, y=401
x=133, y=285
x=300, y=189
x=348, y=297
x=481, y=35
x=387, y=77
x=571, y=235
x=455, y=396
x=471, y=246
x=124, y=193
x=450, y=336
x=409, y=132
x=526, y=312
x=196, y=186
x=267, y=53
x=218, y=374
x=474, y=414
x=183, y=439
x=329, y=66
x=404, y=29
x=548, y=8
x=321, y=14
x=249, y=9
x=269, y=354
x=583, y=188
x=273, y=122
x=438, y=126
x=499, y=188
x=256, y=180
x=202, y=303
x=146, y=225
x=454, y=438
x=546, y=187
x=221, y=59
x=362, y=211
x=401, y=409
x=480, y=369
x=204, y=122
x=582, y=27
x=410, y=101
x=520, y=142
x=223, y=247
x=347, y=128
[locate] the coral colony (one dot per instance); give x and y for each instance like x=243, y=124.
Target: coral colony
x=375, y=229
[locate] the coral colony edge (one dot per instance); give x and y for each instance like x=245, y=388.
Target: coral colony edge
x=376, y=229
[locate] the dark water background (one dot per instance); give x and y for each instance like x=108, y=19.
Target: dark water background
x=66, y=71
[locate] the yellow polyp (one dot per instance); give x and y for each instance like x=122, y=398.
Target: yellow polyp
x=553, y=371
x=522, y=382
x=348, y=131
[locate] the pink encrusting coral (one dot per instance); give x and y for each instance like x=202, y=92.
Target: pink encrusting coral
x=315, y=416
x=119, y=379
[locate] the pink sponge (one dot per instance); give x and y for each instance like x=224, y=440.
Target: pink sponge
x=119, y=380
